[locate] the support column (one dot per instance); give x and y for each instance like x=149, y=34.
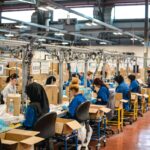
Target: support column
x=127, y=69
x=103, y=71
x=85, y=73
x=117, y=67
x=146, y=38
x=60, y=78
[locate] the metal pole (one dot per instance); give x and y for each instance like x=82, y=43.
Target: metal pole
x=24, y=75
x=146, y=37
x=117, y=67
x=127, y=69
x=85, y=73
x=103, y=69
x=60, y=78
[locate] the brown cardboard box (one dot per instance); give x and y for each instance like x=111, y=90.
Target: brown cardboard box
x=118, y=97
x=17, y=139
x=3, y=82
x=52, y=93
x=97, y=111
x=66, y=126
x=143, y=91
x=16, y=103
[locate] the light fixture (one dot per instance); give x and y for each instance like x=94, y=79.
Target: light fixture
x=133, y=39
x=41, y=40
x=9, y=35
x=117, y=33
x=143, y=43
x=102, y=43
x=88, y=24
x=84, y=39
x=65, y=43
x=50, y=8
x=59, y=34
x=94, y=24
x=21, y=26
x=42, y=8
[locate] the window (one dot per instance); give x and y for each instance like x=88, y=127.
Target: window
x=62, y=14
x=18, y=15
x=129, y=12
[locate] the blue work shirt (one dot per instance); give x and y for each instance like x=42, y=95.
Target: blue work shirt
x=30, y=117
x=89, y=82
x=103, y=94
x=77, y=100
x=124, y=89
x=134, y=86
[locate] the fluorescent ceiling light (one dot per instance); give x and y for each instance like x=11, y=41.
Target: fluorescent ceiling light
x=42, y=8
x=65, y=43
x=88, y=24
x=21, y=26
x=50, y=8
x=143, y=43
x=133, y=39
x=84, y=39
x=117, y=33
x=28, y=1
x=94, y=24
x=41, y=40
x=9, y=35
x=103, y=43
x=59, y=34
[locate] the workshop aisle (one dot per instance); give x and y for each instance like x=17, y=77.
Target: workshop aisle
x=134, y=137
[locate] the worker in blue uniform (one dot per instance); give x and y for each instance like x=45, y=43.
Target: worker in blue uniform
x=102, y=92
x=78, y=98
x=124, y=89
x=89, y=79
x=38, y=106
x=134, y=85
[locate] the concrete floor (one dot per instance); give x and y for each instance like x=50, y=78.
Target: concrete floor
x=134, y=137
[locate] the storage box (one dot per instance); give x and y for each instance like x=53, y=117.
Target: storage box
x=3, y=82
x=52, y=93
x=97, y=111
x=16, y=98
x=118, y=97
x=66, y=126
x=17, y=139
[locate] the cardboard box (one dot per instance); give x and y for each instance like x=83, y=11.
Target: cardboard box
x=17, y=139
x=16, y=98
x=52, y=93
x=3, y=82
x=143, y=91
x=118, y=97
x=97, y=111
x=66, y=126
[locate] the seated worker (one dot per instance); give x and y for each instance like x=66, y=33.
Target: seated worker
x=102, y=92
x=50, y=80
x=11, y=86
x=89, y=79
x=124, y=89
x=134, y=85
x=74, y=75
x=38, y=106
x=148, y=79
x=78, y=98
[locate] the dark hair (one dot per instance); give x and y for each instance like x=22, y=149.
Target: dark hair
x=50, y=80
x=119, y=79
x=11, y=77
x=132, y=77
x=98, y=82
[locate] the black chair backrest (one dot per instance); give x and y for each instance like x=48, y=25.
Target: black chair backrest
x=82, y=112
x=46, y=125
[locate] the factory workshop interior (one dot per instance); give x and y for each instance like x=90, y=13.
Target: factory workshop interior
x=74, y=75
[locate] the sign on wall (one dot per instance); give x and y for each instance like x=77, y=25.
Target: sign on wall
x=45, y=67
x=1, y=69
x=36, y=68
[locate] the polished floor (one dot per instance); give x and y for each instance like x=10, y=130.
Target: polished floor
x=134, y=137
